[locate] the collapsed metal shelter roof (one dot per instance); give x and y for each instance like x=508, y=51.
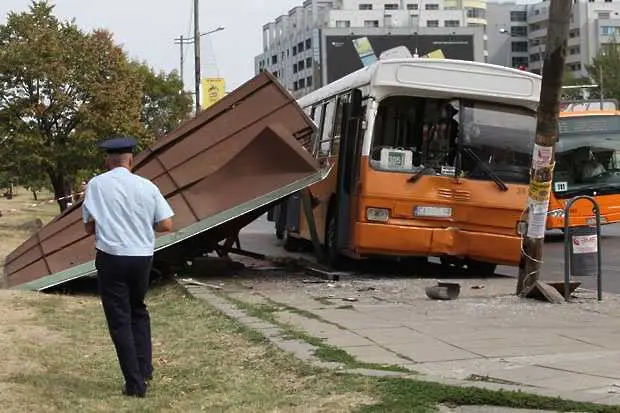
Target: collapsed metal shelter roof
x=219, y=172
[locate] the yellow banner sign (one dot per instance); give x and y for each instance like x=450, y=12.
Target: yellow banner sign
x=213, y=89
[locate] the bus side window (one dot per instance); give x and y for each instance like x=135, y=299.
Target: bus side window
x=337, y=132
x=328, y=126
x=317, y=116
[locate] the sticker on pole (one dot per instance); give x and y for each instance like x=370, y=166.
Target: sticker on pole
x=542, y=156
x=585, y=244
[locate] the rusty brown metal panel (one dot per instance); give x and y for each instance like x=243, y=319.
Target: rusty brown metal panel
x=234, y=153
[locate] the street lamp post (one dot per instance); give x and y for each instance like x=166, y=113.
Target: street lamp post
x=195, y=40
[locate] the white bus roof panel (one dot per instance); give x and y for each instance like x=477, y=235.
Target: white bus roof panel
x=443, y=77
x=460, y=78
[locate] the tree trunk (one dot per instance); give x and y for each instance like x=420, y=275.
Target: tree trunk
x=34, y=194
x=62, y=190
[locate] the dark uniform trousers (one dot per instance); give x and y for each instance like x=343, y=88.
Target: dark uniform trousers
x=123, y=283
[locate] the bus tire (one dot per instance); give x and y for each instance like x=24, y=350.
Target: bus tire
x=481, y=268
x=332, y=255
x=291, y=244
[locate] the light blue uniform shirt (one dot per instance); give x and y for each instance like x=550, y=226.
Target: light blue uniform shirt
x=125, y=207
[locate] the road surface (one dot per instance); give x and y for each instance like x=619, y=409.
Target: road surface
x=259, y=237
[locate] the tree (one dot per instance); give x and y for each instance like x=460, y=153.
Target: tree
x=606, y=66
x=61, y=91
x=165, y=105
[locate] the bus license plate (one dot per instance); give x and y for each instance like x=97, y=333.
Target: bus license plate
x=435, y=212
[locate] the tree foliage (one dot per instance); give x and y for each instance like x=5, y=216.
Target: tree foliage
x=62, y=90
x=164, y=103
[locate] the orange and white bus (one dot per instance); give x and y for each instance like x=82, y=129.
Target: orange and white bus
x=587, y=163
x=431, y=158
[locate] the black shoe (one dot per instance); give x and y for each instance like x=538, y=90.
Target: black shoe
x=133, y=393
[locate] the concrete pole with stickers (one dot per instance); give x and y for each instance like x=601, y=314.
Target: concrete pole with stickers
x=543, y=160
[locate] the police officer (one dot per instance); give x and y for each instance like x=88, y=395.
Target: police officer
x=124, y=211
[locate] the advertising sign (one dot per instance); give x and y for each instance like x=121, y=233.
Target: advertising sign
x=346, y=54
x=213, y=89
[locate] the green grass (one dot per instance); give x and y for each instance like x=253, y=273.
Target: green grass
x=203, y=362
x=402, y=395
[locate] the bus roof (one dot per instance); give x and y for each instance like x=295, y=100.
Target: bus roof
x=440, y=78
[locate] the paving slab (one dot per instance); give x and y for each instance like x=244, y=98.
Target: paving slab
x=567, y=350
x=375, y=355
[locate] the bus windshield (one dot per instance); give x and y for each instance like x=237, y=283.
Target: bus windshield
x=424, y=135
x=587, y=160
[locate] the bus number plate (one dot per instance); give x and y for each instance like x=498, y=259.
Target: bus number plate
x=435, y=212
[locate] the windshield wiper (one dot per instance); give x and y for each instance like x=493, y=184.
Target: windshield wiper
x=498, y=181
x=422, y=172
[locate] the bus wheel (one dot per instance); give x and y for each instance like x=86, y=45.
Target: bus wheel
x=332, y=255
x=481, y=269
x=291, y=244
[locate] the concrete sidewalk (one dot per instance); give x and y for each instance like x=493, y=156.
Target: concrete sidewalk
x=487, y=336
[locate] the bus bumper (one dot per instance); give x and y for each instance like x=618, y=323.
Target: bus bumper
x=387, y=239
x=581, y=220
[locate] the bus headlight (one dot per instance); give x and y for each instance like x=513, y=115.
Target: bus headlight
x=377, y=214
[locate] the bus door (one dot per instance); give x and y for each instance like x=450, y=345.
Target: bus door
x=348, y=166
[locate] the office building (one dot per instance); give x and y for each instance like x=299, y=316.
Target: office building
x=314, y=45
x=517, y=33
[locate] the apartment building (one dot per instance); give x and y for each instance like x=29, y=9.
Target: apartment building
x=518, y=33
x=305, y=47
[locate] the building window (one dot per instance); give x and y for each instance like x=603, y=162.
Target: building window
x=519, y=47
x=308, y=44
x=276, y=74
x=574, y=50
x=412, y=6
x=309, y=62
x=294, y=50
x=302, y=83
x=432, y=23
x=535, y=57
x=295, y=68
x=274, y=59
x=295, y=85
x=365, y=6
x=476, y=13
x=343, y=23
x=518, y=16
x=300, y=65
x=610, y=31
x=371, y=23
x=573, y=33
x=451, y=23
x=300, y=47
x=520, y=61
x=518, y=31
x=431, y=6
x=309, y=81
x=391, y=6
x=575, y=67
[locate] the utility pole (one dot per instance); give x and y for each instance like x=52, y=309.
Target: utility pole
x=543, y=160
x=197, y=54
x=181, y=41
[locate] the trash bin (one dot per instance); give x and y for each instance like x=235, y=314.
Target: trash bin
x=583, y=251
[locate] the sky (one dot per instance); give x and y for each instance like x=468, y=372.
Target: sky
x=147, y=28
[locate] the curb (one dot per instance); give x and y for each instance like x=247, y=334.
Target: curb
x=305, y=352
